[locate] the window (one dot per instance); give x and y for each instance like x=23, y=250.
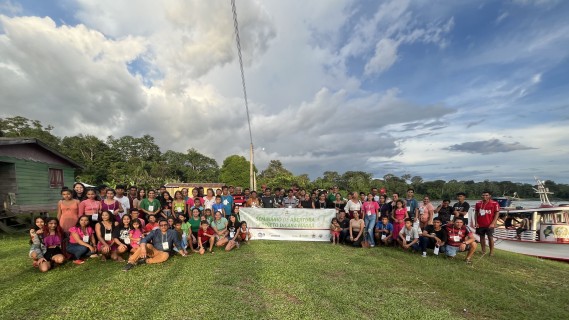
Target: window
x=55, y=178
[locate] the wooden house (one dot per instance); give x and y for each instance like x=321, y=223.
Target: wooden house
x=32, y=175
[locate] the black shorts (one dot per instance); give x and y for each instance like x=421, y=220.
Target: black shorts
x=485, y=231
x=50, y=252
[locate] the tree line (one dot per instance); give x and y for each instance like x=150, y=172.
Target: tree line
x=139, y=161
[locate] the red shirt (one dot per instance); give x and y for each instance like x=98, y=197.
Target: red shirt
x=461, y=233
x=487, y=213
x=201, y=234
x=150, y=226
x=370, y=206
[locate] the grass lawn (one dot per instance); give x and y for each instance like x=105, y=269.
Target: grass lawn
x=287, y=280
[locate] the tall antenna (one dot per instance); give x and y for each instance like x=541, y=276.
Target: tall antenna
x=252, y=178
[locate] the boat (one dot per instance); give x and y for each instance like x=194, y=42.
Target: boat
x=547, y=228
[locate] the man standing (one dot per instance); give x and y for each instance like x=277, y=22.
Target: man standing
x=227, y=201
x=345, y=225
x=267, y=199
x=290, y=201
x=487, y=213
x=124, y=201
x=156, y=247
x=444, y=211
x=412, y=206
x=279, y=196
x=460, y=209
x=132, y=195
x=459, y=239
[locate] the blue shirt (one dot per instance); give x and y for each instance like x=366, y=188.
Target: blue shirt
x=156, y=238
x=413, y=204
x=227, y=202
x=217, y=207
x=388, y=227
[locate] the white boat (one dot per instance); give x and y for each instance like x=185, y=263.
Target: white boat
x=547, y=234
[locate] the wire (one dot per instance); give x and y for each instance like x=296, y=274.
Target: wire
x=238, y=40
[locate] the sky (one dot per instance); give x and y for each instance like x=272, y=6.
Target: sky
x=465, y=90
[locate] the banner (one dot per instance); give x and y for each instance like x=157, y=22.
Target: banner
x=288, y=224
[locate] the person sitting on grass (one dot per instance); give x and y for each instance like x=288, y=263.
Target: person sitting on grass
x=335, y=230
x=53, y=240
x=384, y=231
x=357, y=227
x=220, y=227
x=37, y=248
x=155, y=247
x=121, y=237
x=243, y=235
x=460, y=238
x=433, y=237
x=409, y=236
x=206, y=235
x=81, y=240
x=104, y=230
x=151, y=225
x=232, y=227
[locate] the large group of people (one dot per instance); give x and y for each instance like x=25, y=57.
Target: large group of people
x=148, y=226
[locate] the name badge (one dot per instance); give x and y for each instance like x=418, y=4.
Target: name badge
x=165, y=245
x=456, y=239
x=369, y=213
x=179, y=209
x=108, y=237
x=232, y=234
x=290, y=207
x=482, y=213
x=436, y=251
x=407, y=238
x=383, y=237
x=451, y=217
x=111, y=211
x=86, y=239
x=408, y=208
x=127, y=241
x=95, y=217
x=150, y=208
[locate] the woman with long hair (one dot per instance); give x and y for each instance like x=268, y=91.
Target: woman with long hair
x=90, y=207
x=67, y=210
x=104, y=230
x=79, y=191
x=81, y=240
x=53, y=237
x=111, y=205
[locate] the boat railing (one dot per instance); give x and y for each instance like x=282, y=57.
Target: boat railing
x=510, y=234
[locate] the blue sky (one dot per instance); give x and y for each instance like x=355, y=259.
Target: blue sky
x=467, y=90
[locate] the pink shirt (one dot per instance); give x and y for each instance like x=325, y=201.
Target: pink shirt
x=52, y=240
x=370, y=207
x=89, y=206
x=190, y=202
x=137, y=234
x=79, y=231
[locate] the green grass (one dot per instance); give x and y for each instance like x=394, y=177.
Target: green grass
x=287, y=280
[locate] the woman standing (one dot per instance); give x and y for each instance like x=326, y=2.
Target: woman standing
x=139, y=196
x=79, y=191
x=339, y=203
x=166, y=204
x=307, y=202
x=104, y=231
x=67, y=210
x=356, y=229
x=209, y=199
x=399, y=215
x=53, y=241
x=81, y=241
x=194, y=221
x=426, y=213
x=321, y=203
x=90, y=207
x=179, y=205
x=150, y=206
x=353, y=205
x=384, y=208
x=370, y=209
x=111, y=205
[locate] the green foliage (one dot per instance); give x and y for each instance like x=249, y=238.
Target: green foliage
x=26, y=128
x=235, y=171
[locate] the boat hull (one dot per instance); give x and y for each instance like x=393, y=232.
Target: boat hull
x=548, y=250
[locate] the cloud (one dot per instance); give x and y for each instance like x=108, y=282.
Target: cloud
x=384, y=57
x=10, y=8
x=488, y=147
x=502, y=16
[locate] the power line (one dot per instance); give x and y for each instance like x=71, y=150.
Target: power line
x=238, y=40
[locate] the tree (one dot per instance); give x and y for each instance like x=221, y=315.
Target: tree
x=93, y=154
x=235, y=171
x=203, y=168
x=276, y=175
x=26, y=128
x=356, y=181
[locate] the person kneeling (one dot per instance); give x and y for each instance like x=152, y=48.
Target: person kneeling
x=156, y=246
x=409, y=236
x=460, y=238
x=433, y=237
x=384, y=231
x=205, y=234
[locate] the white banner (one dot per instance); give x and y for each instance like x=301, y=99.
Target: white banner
x=288, y=224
